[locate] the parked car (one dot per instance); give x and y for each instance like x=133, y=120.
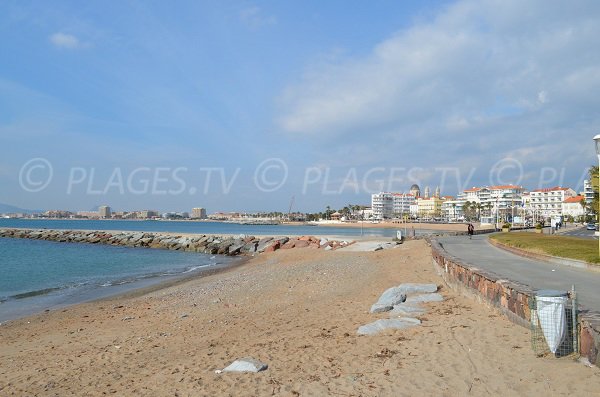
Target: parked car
x=591, y=226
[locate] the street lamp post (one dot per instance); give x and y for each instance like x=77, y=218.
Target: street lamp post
x=597, y=141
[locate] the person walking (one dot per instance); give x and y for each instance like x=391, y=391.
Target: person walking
x=470, y=230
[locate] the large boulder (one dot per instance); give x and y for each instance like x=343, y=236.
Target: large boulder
x=406, y=309
x=392, y=296
x=236, y=247
x=425, y=298
x=263, y=243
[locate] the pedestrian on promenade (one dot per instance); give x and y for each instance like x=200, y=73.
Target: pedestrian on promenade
x=470, y=230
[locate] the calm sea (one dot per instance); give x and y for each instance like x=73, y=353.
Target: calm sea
x=37, y=275
x=200, y=227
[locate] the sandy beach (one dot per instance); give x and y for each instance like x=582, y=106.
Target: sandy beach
x=296, y=310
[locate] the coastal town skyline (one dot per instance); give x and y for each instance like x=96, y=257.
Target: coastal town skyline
x=200, y=102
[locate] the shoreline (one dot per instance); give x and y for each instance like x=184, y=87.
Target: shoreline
x=22, y=307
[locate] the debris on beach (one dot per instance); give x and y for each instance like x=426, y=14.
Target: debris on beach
x=402, y=301
x=247, y=364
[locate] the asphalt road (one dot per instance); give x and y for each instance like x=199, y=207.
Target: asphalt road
x=537, y=274
x=580, y=232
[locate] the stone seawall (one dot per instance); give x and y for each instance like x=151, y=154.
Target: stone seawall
x=207, y=244
x=509, y=297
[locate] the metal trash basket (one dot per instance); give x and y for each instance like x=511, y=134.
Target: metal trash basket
x=554, y=323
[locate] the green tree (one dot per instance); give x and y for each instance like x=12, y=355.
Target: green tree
x=593, y=173
x=470, y=210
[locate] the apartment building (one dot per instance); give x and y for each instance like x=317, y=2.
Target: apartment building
x=548, y=202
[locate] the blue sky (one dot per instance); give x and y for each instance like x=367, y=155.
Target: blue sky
x=172, y=106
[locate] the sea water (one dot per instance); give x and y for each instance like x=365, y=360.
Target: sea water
x=36, y=275
x=200, y=227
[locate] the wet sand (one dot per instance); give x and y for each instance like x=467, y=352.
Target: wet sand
x=296, y=310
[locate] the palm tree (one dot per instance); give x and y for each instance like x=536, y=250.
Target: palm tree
x=478, y=206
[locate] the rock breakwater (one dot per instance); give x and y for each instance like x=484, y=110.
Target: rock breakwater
x=207, y=244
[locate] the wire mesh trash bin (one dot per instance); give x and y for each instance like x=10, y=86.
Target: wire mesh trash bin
x=554, y=323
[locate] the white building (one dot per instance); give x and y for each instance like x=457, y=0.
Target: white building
x=414, y=210
x=548, y=202
x=401, y=203
x=382, y=205
x=572, y=207
x=452, y=210
x=387, y=205
x=588, y=192
x=495, y=201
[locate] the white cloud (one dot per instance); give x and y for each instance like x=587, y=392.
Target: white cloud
x=254, y=17
x=487, y=76
x=67, y=41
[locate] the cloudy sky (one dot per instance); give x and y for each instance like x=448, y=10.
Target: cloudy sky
x=244, y=105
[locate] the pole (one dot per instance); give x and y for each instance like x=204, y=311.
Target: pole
x=574, y=319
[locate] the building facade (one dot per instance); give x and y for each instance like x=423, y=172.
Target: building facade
x=401, y=203
x=382, y=205
x=548, y=202
x=198, y=213
x=104, y=211
x=573, y=207
x=430, y=207
x=387, y=205
x=588, y=192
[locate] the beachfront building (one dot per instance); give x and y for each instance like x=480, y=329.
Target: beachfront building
x=147, y=214
x=452, y=209
x=387, y=205
x=574, y=207
x=497, y=202
x=104, y=211
x=383, y=205
x=430, y=207
x=87, y=214
x=198, y=213
x=401, y=203
x=548, y=202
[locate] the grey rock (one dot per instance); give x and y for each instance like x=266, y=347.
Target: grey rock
x=425, y=298
x=246, y=364
x=387, y=323
x=250, y=247
x=392, y=296
x=235, y=248
x=412, y=288
x=405, y=309
x=380, y=308
x=263, y=243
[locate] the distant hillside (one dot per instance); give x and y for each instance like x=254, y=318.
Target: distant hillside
x=7, y=209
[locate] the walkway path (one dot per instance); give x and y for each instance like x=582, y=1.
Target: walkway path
x=537, y=274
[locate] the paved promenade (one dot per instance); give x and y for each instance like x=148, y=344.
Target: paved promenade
x=537, y=274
